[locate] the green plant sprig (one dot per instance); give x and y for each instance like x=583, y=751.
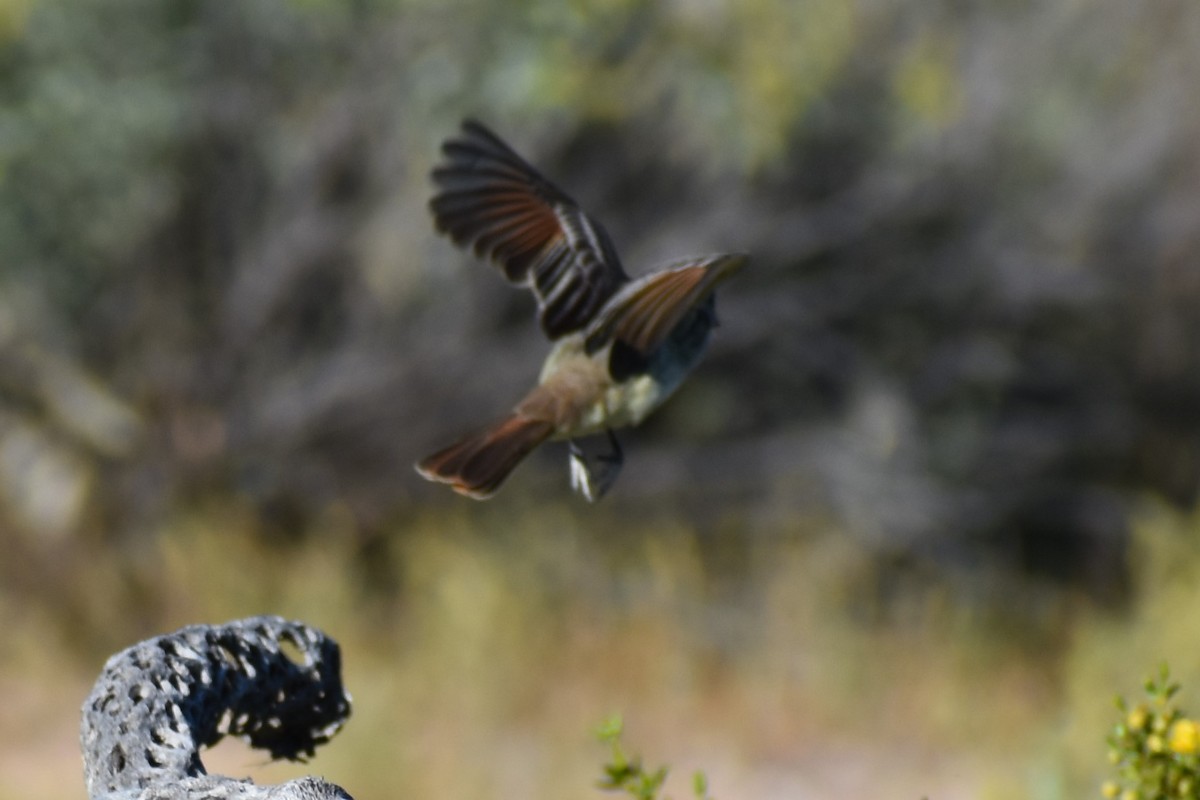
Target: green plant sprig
x=625, y=773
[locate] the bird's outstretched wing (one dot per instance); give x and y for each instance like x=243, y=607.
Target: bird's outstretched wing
x=642, y=313
x=491, y=200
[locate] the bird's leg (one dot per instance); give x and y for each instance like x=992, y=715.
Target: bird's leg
x=593, y=476
x=615, y=456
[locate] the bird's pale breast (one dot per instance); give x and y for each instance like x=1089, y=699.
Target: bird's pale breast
x=591, y=400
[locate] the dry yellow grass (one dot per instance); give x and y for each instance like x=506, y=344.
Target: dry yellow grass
x=482, y=648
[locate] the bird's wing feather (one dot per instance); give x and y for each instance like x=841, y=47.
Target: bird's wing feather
x=645, y=311
x=493, y=201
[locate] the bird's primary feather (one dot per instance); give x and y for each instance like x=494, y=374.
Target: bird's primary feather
x=491, y=200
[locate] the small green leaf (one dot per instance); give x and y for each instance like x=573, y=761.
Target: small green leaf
x=610, y=729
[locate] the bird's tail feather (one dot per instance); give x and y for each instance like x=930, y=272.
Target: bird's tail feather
x=477, y=464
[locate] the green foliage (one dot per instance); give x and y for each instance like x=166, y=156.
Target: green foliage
x=625, y=773
x=1154, y=747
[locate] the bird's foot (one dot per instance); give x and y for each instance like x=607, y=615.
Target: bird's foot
x=593, y=475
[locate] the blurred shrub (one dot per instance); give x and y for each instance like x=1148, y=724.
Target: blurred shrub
x=967, y=333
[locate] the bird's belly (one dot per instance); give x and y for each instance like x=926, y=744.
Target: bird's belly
x=622, y=405
x=570, y=375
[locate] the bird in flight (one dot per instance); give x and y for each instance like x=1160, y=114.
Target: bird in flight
x=621, y=346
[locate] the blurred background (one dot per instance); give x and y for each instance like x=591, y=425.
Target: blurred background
x=927, y=505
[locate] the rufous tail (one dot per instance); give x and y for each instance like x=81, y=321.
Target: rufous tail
x=476, y=465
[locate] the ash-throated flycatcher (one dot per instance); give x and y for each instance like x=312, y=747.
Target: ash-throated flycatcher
x=621, y=346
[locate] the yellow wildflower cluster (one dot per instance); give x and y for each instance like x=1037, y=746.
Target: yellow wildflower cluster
x=1156, y=748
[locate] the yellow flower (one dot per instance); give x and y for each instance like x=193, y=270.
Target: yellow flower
x=1155, y=743
x=1185, y=737
x=1110, y=789
x=1137, y=718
